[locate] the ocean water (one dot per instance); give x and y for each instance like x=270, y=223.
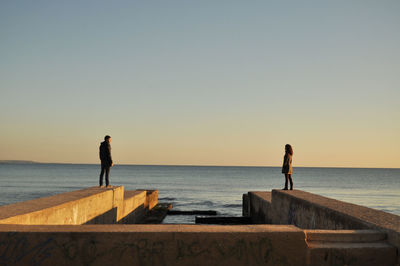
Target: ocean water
x=204, y=187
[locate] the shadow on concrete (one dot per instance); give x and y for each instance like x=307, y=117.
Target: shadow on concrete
x=109, y=217
x=134, y=217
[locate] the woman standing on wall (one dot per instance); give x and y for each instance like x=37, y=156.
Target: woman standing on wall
x=287, y=166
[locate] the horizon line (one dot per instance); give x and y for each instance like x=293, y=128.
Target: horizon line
x=193, y=165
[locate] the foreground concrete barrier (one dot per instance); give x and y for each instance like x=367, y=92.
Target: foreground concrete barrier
x=152, y=245
x=87, y=206
x=349, y=247
x=310, y=211
x=54, y=242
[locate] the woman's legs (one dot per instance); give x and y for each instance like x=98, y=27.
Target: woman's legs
x=286, y=182
x=288, y=178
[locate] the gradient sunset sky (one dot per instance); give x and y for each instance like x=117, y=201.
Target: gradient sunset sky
x=201, y=82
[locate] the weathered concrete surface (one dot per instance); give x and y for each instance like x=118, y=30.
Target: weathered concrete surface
x=151, y=199
x=76, y=207
x=87, y=206
x=310, y=211
x=260, y=207
x=361, y=254
x=349, y=247
x=133, y=208
x=152, y=245
x=353, y=236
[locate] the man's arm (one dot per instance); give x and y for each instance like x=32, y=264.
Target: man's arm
x=109, y=154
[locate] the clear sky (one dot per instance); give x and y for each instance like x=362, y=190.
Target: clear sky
x=201, y=82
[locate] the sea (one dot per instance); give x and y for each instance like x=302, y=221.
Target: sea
x=218, y=188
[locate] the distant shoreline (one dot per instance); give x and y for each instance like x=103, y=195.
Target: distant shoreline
x=190, y=165
x=18, y=162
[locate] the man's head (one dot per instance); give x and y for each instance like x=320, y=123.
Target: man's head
x=107, y=138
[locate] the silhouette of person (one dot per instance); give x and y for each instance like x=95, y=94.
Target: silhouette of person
x=287, y=166
x=106, y=160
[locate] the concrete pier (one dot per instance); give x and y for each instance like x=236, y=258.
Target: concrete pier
x=87, y=206
x=86, y=227
x=327, y=218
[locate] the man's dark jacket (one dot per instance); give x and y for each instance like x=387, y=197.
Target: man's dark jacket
x=105, y=154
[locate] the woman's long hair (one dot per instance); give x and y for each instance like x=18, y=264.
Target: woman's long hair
x=289, y=149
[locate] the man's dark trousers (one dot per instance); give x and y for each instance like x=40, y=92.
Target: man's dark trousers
x=105, y=168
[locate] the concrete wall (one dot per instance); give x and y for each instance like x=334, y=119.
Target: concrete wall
x=152, y=245
x=310, y=211
x=87, y=206
x=349, y=247
x=180, y=245
x=136, y=205
x=260, y=207
x=151, y=199
x=121, y=244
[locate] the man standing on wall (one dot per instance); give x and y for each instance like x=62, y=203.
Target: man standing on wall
x=106, y=160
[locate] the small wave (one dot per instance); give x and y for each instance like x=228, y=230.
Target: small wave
x=167, y=198
x=203, y=203
x=200, y=203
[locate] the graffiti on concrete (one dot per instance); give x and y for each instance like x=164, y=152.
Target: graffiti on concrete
x=240, y=250
x=87, y=248
x=16, y=248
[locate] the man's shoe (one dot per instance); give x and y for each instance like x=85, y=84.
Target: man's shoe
x=285, y=188
x=101, y=186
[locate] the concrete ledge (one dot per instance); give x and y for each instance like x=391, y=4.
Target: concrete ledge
x=152, y=245
x=355, y=236
x=361, y=217
x=310, y=211
x=87, y=206
x=76, y=207
x=360, y=254
x=151, y=199
x=20, y=208
x=133, y=209
x=260, y=207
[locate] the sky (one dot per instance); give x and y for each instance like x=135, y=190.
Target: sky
x=201, y=82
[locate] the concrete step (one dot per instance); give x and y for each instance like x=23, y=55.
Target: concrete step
x=345, y=236
x=338, y=245
x=131, y=193
x=349, y=247
x=337, y=253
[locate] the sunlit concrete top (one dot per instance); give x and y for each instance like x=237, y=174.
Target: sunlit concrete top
x=34, y=205
x=187, y=228
x=93, y=205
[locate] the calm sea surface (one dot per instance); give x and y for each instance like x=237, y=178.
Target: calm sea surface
x=204, y=187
